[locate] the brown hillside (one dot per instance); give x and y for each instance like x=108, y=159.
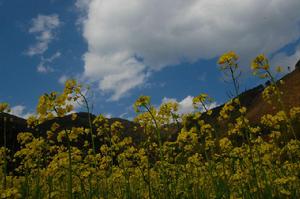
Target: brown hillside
x=291, y=97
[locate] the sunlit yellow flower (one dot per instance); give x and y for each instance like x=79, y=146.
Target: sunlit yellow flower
x=228, y=58
x=142, y=101
x=279, y=69
x=4, y=107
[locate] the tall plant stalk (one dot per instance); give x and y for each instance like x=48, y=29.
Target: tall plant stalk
x=4, y=155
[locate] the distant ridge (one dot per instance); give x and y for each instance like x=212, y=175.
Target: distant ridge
x=15, y=125
x=251, y=99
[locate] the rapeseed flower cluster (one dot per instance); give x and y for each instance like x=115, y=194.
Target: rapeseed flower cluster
x=176, y=156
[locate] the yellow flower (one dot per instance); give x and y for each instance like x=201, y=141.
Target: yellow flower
x=10, y=193
x=24, y=138
x=295, y=112
x=4, y=107
x=225, y=144
x=243, y=110
x=142, y=101
x=279, y=69
x=32, y=121
x=54, y=126
x=60, y=136
x=74, y=116
x=228, y=58
x=209, y=112
x=260, y=66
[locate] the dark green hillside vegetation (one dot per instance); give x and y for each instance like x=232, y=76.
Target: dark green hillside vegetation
x=12, y=125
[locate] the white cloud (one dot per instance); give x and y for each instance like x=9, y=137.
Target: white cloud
x=62, y=80
x=212, y=105
x=43, y=69
x=82, y=4
x=163, y=33
x=44, y=65
x=43, y=27
x=286, y=61
x=108, y=115
x=20, y=111
x=123, y=115
x=117, y=72
x=186, y=105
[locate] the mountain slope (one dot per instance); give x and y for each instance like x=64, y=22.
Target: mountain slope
x=291, y=97
x=251, y=99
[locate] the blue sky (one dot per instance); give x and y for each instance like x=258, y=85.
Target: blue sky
x=124, y=49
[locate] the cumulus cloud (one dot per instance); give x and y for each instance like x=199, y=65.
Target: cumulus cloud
x=20, y=111
x=117, y=72
x=128, y=41
x=186, y=105
x=43, y=27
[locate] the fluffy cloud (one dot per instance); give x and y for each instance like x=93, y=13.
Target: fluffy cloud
x=20, y=111
x=43, y=28
x=186, y=105
x=116, y=72
x=128, y=40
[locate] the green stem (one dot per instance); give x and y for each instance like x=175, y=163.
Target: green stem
x=70, y=180
x=5, y=158
x=235, y=82
x=90, y=124
x=92, y=137
x=244, y=123
x=282, y=106
x=157, y=133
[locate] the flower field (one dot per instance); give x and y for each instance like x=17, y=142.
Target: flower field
x=230, y=157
